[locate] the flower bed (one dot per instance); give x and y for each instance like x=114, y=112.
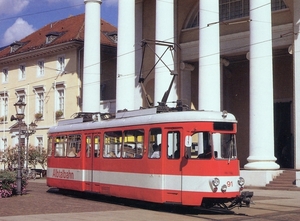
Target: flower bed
x=8, y=185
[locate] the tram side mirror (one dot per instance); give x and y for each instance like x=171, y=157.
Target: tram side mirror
x=188, y=145
x=188, y=141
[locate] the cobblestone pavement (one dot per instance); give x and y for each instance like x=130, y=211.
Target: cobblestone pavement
x=44, y=203
x=40, y=199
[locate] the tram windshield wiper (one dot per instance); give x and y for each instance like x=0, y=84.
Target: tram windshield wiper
x=230, y=148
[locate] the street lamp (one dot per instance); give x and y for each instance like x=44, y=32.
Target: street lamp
x=28, y=131
x=20, y=108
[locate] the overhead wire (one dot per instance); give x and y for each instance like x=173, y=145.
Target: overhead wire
x=41, y=12
x=136, y=50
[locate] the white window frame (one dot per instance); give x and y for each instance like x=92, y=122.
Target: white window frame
x=39, y=141
x=40, y=68
x=22, y=71
x=61, y=63
x=4, y=105
x=21, y=94
x=40, y=102
x=5, y=75
x=60, y=97
x=39, y=99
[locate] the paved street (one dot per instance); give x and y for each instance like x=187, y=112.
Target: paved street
x=44, y=203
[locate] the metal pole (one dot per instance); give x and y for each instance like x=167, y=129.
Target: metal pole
x=19, y=174
x=27, y=138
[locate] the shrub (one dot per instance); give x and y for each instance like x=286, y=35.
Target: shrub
x=38, y=115
x=59, y=113
x=8, y=185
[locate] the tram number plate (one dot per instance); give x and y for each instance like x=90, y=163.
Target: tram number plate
x=229, y=184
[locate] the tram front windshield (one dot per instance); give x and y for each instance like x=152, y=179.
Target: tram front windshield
x=218, y=145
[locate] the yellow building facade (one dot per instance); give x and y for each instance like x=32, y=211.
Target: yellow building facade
x=44, y=70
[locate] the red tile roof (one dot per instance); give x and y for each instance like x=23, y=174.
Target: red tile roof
x=69, y=29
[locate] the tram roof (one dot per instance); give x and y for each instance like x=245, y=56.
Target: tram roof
x=143, y=117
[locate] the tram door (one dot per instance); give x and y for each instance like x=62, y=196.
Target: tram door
x=91, y=161
x=172, y=169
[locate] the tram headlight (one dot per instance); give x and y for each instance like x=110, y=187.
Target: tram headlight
x=224, y=188
x=215, y=183
x=241, y=181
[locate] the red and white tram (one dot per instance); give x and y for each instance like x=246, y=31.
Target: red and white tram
x=195, y=162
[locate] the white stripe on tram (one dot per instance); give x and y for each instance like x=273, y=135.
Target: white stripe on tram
x=149, y=181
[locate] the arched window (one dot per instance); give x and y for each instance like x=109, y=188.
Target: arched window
x=234, y=9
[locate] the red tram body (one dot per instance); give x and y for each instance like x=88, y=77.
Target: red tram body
x=196, y=164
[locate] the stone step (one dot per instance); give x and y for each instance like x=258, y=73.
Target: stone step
x=288, y=188
x=280, y=182
x=285, y=181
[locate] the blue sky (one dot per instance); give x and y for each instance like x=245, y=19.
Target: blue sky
x=19, y=18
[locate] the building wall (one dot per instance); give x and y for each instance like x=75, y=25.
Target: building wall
x=70, y=79
x=46, y=82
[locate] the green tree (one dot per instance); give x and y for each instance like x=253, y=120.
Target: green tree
x=10, y=157
x=37, y=155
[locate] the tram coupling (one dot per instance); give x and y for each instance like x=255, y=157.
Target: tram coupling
x=242, y=200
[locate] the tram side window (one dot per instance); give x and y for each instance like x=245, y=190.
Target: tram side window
x=74, y=146
x=226, y=145
x=49, y=149
x=133, y=144
x=60, y=146
x=174, y=145
x=201, y=146
x=217, y=145
x=96, y=146
x=154, y=145
x=88, y=146
x=112, y=144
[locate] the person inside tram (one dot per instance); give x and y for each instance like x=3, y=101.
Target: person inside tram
x=156, y=151
x=112, y=154
x=72, y=152
x=88, y=150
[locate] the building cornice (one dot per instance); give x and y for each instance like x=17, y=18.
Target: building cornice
x=40, y=52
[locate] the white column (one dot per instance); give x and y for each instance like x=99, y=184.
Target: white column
x=209, y=56
x=186, y=81
x=138, y=51
x=126, y=56
x=164, y=31
x=296, y=54
x=261, y=129
x=91, y=62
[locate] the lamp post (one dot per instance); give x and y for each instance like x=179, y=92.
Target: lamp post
x=20, y=107
x=28, y=131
